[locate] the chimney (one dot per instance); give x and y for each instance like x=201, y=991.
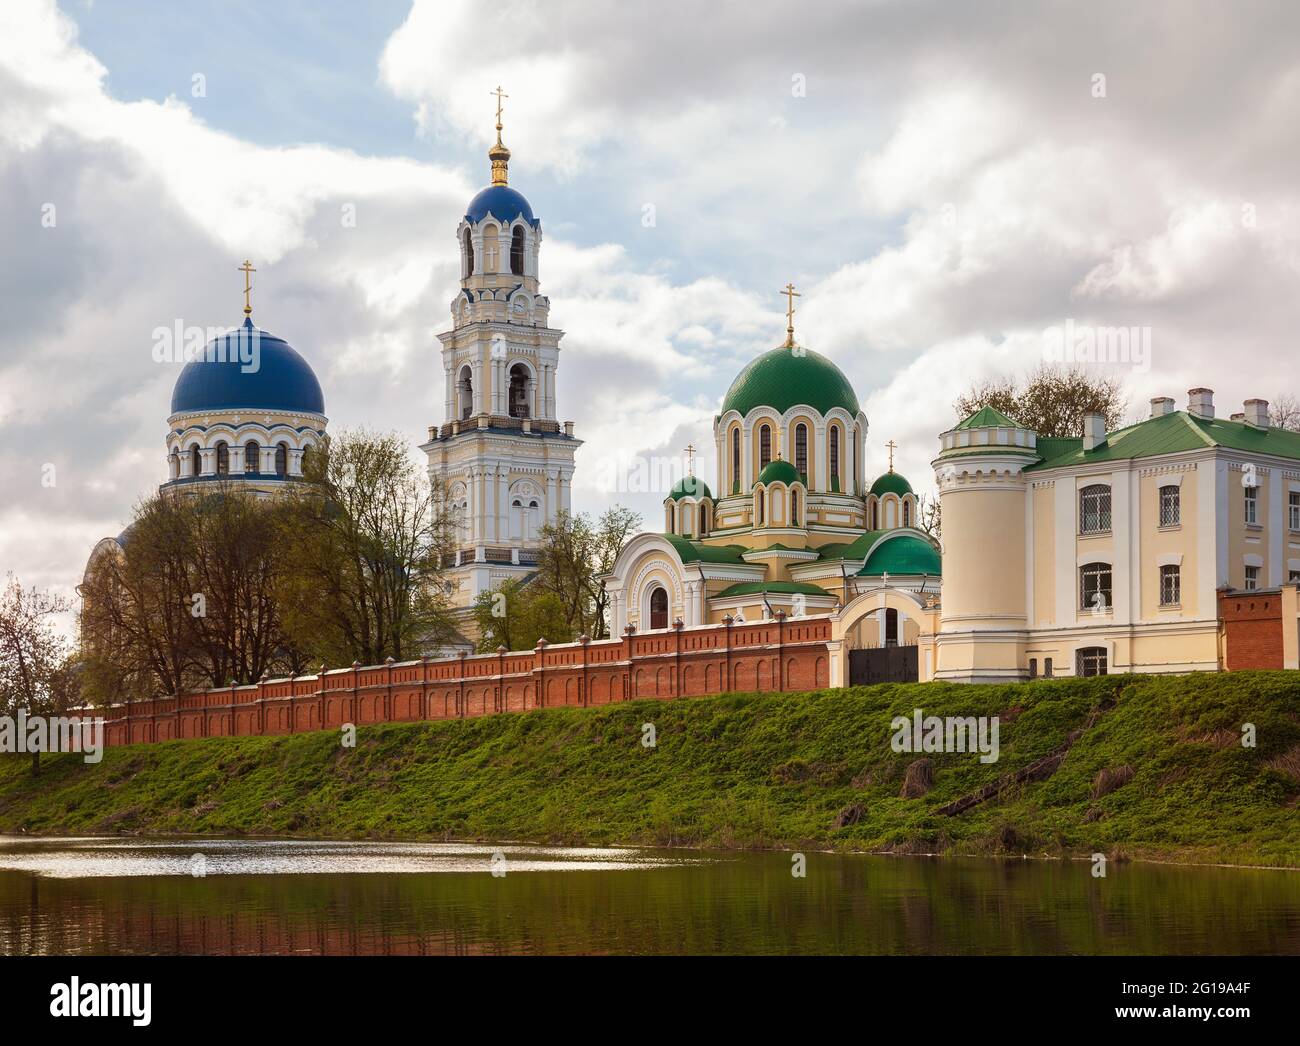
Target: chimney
x=1161, y=406
x=1094, y=431
x=1257, y=413
x=1200, y=403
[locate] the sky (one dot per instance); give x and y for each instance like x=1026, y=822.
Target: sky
x=946, y=184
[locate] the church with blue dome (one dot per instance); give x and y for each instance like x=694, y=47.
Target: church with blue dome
x=247, y=410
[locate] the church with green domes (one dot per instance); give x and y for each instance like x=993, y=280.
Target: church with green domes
x=796, y=521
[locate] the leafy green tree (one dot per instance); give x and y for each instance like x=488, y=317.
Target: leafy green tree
x=575, y=554
x=516, y=614
x=367, y=539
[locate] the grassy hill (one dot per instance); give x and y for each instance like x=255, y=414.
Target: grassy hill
x=1153, y=767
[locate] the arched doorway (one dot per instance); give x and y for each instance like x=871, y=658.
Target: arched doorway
x=659, y=607
x=884, y=635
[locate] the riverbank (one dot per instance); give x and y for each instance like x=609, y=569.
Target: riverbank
x=1134, y=767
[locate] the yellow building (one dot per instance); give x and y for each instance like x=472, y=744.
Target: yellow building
x=1105, y=552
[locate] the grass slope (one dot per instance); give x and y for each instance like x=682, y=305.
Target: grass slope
x=735, y=770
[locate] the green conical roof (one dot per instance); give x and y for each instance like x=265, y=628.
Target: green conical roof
x=784, y=378
x=988, y=418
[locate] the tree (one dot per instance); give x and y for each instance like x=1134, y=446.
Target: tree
x=367, y=538
x=1052, y=401
x=36, y=672
x=1285, y=412
x=575, y=554
x=930, y=516
x=517, y=613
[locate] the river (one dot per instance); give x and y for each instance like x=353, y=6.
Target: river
x=240, y=897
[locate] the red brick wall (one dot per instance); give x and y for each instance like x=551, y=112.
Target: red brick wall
x=682, y=662
x=1252, y=627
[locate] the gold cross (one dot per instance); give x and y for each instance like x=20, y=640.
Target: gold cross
x=248, y=270
x=500, y=95
x=790, y=295
x=892, y=447
x=690, y=458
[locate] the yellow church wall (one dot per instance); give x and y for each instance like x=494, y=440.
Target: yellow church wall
x=1157, y=542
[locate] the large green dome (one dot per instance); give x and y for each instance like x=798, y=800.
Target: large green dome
x=784, y=378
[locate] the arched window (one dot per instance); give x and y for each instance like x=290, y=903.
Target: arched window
x=833, y=435
x=891, y=627
x=281, y=460
x=801, y=449
x=1169, y=506
x=223, y=459
x=875, y=516
x=759, y=497
x=1094, y=509
x=1091, y=661
x=705, y=513
x=519, y=390
x=764, y=446
x=658, y=607
x=252, y=457
x=907, y=513
x=672, y=518
x=491, y=248
x=517, y=251
x=1095, y=587
x=196, y=461
x=794, y=508
x=465, y=390
x=735, y=460
x=469, y=254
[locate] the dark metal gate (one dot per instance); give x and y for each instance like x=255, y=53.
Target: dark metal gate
x=886, y=664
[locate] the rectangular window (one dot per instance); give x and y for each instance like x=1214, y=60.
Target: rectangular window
x=1170, y=586
x=1169, y=506
x=1094, y=509
x=1047, y=668
x=1252, y=504
x=1293, y=506
x=1094, y=587
x=1252, y=578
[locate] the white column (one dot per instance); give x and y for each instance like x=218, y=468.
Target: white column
x=552, y=496
x=267, y=466
x=295, y=462
x=208, y=461
x=503, y=505
x=478, y=386
x=450, y=371
x=746, y=459
x=850, y=486
x=236, y=460
x=186, y=462
x=1276, y=527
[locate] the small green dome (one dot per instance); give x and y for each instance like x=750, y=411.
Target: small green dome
x=780, y=471
x=891, y=483
x=689, y=487
x=905, y=554
x=785, y=378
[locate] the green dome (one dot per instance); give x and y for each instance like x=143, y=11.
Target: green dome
x=783, y=379
x=779, y=471
x=905, y=554
x=689, y=487
x=891, y=483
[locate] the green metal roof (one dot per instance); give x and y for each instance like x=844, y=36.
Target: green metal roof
x=1170, y=434
x=779, y=471
x=689, y=551
x=749, y=588
x=784, y=378
x=855, y=549
x=891, y=483
x=906, y=554
x=987, y=418
x=690, y=487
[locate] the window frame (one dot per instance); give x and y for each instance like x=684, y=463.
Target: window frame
x=1168, y=571
x=1098, y=569
x=1170, y=495
x=1099, y=493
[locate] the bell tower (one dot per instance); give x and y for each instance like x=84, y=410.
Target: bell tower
x=501, y=456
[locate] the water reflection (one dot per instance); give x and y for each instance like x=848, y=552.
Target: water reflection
x=92, y=896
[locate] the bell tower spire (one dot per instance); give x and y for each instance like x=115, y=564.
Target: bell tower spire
x=499, y=154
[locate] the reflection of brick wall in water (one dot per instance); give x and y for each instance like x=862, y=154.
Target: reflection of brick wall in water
x=782, y=654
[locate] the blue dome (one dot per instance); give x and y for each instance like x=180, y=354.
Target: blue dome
x=220, y=381
x=504, y=202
